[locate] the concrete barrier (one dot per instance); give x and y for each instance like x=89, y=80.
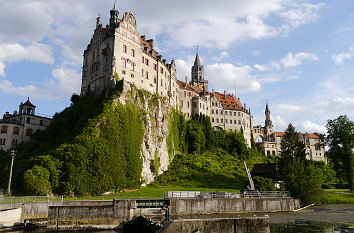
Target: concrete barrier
x=39, y=210
x=218, y=225
x=108, y=214
x=10, y=217
x=191, y=206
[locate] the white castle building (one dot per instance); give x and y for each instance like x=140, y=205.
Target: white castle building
x=20, y=126
x=119, y=48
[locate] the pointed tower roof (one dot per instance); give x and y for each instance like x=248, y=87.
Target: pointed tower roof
x=197, y=60
x=28, y=103
x=267, y=108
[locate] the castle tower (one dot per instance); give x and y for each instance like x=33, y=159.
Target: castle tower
x=268, y=122
x=113, y=21
x=198, y=74
x=27, y=108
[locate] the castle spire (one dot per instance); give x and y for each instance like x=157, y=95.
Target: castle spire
x=113, y=21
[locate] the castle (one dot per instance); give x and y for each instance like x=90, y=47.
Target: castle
x=118, y=48
x=20, y=126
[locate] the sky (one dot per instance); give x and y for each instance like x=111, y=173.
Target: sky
x=296, y=55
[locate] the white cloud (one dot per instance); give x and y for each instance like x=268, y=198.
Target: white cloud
x=300, y=13
x=279, y=123
x=2, y=69
x=291, y=60
x=63, y=84
x=222, y=55
x=287, y=108
x=341, y=57
x=35, y=52
x=223, y=76
x=308, y=126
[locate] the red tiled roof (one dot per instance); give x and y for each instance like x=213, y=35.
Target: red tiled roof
x=279, y=134
x=189, y=87
x=313, y=136
x=149, y=46
x=229, y=102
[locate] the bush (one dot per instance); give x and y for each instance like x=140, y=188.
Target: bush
x=263, y=183
x=36, y=181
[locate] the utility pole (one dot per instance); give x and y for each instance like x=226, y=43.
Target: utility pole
x=13, y=153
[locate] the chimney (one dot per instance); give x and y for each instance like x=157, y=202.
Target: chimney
x=186, y=78
x=225, y=93
x=151, y=43
x=212, y=90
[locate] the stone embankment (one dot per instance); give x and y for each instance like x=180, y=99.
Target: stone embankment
x=110, y=214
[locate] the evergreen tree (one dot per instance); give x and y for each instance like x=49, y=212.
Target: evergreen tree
x=291, y=145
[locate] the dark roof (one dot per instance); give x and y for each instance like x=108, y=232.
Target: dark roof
x=269, y=170
x=28, y=103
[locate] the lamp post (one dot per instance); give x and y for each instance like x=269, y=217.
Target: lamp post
x=13, y=153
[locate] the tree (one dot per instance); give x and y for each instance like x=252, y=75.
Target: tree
x=340, y=140
x=291, y=145
x=303, y=180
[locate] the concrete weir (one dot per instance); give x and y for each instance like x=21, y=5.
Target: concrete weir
x=110, y=214
x=218, y=225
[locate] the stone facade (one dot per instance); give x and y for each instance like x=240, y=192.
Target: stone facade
x=20, y=126
x=269, y=141
x=119, y=48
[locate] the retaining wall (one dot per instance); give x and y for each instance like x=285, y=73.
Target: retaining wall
x=239, y=225
x=190, y=206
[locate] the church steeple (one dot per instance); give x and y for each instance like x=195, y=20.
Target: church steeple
x=268, y=121
x=197, y=69
x=113, y=21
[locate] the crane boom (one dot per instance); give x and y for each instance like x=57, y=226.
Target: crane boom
x=249, y=177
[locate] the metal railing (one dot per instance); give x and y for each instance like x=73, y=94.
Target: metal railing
x=265, y=194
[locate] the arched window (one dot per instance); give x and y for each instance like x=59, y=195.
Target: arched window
x=29, y=132
x=4, y=129
x=268, y=152
x=16, y=130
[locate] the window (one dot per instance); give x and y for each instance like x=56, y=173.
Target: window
x=212, y=111
x=188, y=104
x=155, y=80
x=212, y=119
x=124, y=63
x=132, y=66
x=28, y=120
x=147, y=75
x=226, y=121
x=142, y=72
x=17, y=129
x=217, y=120
x=181, y=103
x=155, y=66
x=146, y=61
x=161, y=82
x=143, y=59
x=239, y=122
x=4, y=129
x=235, y=122
x=217, y=111
x=14, y=142
x=234, y=113
x=222, y=120
x=29, y=132
x=230, y=113
x=212, y=103
x=132, y=75
x=189, y=94
x=238, y=113
x=230, y=121
x=124, y=48
x=2, y=141
x=133, y=53
x=123, y=71
x=161, y=70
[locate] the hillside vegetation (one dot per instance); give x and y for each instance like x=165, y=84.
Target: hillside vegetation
x=94, y=146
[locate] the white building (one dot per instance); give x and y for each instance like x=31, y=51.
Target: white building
x=20, y=126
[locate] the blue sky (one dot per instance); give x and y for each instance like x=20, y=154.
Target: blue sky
x=298, y=55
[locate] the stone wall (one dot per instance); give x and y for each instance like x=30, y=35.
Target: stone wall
x=239, y=225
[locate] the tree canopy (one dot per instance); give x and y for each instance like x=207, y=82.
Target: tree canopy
x=340, y=141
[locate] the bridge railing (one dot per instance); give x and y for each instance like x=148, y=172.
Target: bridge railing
x=265, y=194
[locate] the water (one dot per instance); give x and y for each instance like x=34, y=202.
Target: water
x=322, y=219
